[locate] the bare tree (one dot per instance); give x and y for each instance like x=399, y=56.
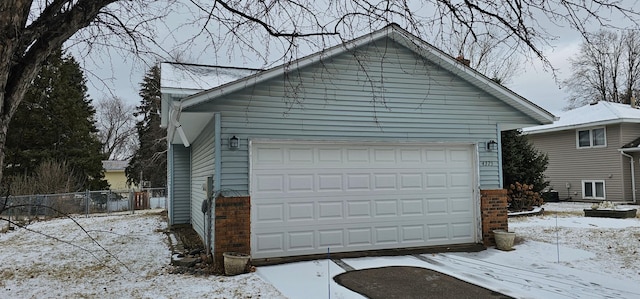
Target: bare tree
x=31, y=29
x=117, y=128
x=606, y=69
x=484, y=53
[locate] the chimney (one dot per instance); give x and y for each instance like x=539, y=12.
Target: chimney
x=464, y=61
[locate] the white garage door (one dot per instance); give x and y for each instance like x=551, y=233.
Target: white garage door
x=306, y=198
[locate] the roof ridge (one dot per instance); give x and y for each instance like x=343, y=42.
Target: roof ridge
x=609, y=105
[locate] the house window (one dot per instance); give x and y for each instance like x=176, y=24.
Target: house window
x=592, y=138
x=593, y=189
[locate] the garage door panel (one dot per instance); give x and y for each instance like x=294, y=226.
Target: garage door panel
x=461, y=205
x=437, y=206
x=300, y=156
x=307, y=197
x=329, y=182
x=270, y=183
x=386, y=235
x=331, y=238
x=301, y=211
x=411, y=181
x=462, y=230
x=437, y=231
x=270, y=213
x=358, y=209
x=301, y=183
x=385, y=181
x=269, y=242
x=358, y=182
x=359, y=237
x=386, y=208
x=330, y=210
x=301, y=240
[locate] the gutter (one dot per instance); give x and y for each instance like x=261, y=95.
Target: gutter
x=633, y=172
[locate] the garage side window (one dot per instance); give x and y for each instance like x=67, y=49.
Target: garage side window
x=591, y=138
x=593, y=189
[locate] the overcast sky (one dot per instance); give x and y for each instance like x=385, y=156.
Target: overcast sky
x=120, y=75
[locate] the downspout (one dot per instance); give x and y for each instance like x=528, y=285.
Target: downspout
x=217, y=165
x=633, y=175
x=218, y=151
x=499, y=137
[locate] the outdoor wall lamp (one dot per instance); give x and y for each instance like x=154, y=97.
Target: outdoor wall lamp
x=492, y=146
x=234, y=143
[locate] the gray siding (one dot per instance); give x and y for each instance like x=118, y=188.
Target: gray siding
x=180, y=184
x=568, y=164
x=202, y=161
x=382, y=92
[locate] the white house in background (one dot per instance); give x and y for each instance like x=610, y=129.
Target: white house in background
x=382, y=142
x=593, y=152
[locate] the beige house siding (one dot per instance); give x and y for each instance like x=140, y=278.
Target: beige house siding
x=117, y=179
x=569, y=165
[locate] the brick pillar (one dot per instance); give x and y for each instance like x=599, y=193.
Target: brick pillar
x=493, y=204
x=232, y=228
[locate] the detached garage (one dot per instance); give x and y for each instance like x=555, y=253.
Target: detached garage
x=383, y=142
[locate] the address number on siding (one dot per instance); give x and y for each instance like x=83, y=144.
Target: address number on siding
x=486, y=163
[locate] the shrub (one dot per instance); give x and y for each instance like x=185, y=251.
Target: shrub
x=522, y=197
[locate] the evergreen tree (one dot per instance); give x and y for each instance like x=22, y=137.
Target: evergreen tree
x=149, y=162
x=521, y=162
x=56, y=123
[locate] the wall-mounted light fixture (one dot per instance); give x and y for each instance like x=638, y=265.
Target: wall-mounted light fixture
x=492, y=146
x=234, y=143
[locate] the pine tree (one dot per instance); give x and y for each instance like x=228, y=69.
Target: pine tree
x=56, y=123
x=149, y=162
x=521, y=162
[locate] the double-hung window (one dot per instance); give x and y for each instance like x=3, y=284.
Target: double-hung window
x=593, y=189
x=591, y=138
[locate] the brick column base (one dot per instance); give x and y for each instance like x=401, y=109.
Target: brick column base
x=493, y=204
x=232, y=231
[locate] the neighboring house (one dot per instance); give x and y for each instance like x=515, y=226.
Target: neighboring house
x=114, y=174
x=593, y=152
x=382, y=142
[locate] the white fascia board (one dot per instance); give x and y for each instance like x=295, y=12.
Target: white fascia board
x=578, y=126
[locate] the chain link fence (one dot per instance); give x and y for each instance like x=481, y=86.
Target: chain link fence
x=44, y=206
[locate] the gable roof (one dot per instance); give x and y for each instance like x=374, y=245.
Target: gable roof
x=404, y=38
x=596, y=114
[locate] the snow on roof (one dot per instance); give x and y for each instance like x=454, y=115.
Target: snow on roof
x=600, y=113
x=192, y=78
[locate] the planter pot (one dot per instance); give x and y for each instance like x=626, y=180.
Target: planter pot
x=504, y=239
x=235, y=263
x=628, y=213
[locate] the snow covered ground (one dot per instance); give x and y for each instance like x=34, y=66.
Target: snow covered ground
x=558, y=255
x=135, y=266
